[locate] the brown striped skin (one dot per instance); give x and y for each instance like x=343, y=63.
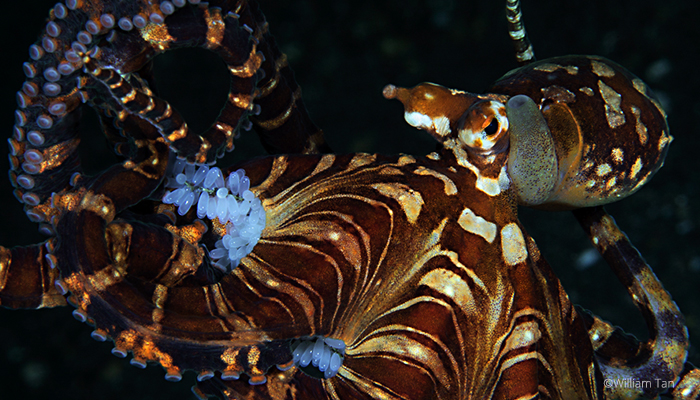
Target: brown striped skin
x=418, y=299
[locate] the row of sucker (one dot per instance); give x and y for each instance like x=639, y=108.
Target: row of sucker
x=87, y=55
x=43, y=147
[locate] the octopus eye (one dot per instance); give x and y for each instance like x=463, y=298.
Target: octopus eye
x=492, y=128
x=483, y=127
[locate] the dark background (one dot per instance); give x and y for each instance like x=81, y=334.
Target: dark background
x=343, y=54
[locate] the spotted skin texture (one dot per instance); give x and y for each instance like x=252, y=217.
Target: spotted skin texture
x=484, y=58
x=631, y=140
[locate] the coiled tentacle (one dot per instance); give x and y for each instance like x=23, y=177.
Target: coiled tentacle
x=105, y=238
x=120, y=273
x=262, y=83
x=215, y=26
x=44, y=145
x=123, y=37
x=662, y=357
x=614, y=346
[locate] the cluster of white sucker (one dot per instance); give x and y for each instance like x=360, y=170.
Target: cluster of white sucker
x=230, y=200
x=324, y=353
